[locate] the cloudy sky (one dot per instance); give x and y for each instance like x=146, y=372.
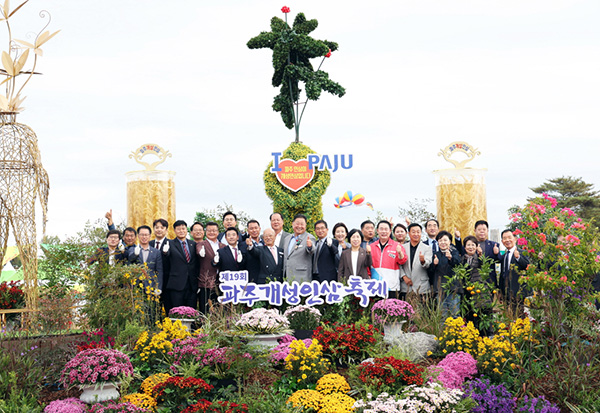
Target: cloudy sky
x=517, y=80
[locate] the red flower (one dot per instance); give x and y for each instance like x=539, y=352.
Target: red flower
x=328, y=53
x=285, y=9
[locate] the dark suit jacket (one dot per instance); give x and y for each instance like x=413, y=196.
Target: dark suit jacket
x=181, y=272
x=268, y=269
x=509, y=277
x=253, y=263
x=208, y=273
x=165, y=262
x=227, y=261
x=362, y=266
x=444, y=269
x=326, y=261
x=154, y=264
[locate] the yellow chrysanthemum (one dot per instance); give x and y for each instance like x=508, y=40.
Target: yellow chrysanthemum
x=337, y=403
x=142, y=400
x=332, y=383
x=308, y=399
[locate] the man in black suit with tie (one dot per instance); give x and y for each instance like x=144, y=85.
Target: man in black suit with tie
x=270, y=258
x=145, y=255
x=486, y=247
x=325, y=257
x=232, y=256
x=183, y=268
x=151, y=257
x=161, y=226
x=512, y=263
x=252, y=263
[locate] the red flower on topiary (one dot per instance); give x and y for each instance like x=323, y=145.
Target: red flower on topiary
x=328, y=53
x=285, y=9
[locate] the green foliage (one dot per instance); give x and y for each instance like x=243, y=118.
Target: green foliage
x=307, y=200
x=19, y=401
x=574, y=193
x=129, y=335
x=20, y=373
x=478, y=301
x=292, y=50
x=260, y=400
x=417, y=211
x=120, y=287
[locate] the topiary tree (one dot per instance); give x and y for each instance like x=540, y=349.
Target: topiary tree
x=292, y=50
x=307, y=200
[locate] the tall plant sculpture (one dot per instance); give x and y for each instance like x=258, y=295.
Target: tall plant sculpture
x=22, y=176
x=292, y=50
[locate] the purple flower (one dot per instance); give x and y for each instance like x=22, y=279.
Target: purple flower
x=490, y=398
x=390, y=310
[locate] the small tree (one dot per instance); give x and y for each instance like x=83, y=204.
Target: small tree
x=573, y=193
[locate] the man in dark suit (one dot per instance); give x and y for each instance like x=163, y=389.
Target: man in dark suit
x=111, y=254
x=325, y=257
x=145, y=255
x=512, y=263
x=253, y=235
x=161, y=227
x=486, y=247
x=231, y=257
x=151, y=257
x=183, y=268
x=269, y=257
x=208, y=279
x=230, y=221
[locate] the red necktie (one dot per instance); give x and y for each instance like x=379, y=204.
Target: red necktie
x=185, y=249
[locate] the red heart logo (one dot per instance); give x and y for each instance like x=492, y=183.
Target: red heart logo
x=294, y=175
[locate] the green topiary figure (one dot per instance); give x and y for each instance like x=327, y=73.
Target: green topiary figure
x=307, y=200
x=292, y=48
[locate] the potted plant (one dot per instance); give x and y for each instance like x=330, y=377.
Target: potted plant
x=392, y=314
x=263, y=327
x=303, y=320
x=97, y=371
x=187, y=315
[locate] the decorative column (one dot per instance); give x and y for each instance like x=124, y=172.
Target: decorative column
x=460, y=191
x=150, y=192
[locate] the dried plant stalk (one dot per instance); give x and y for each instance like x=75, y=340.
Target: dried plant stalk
x=149, y=199
x=461, y=201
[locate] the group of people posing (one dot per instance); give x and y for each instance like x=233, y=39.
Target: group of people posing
x=186, y=271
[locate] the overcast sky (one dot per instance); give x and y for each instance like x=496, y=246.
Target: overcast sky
x=517, y=80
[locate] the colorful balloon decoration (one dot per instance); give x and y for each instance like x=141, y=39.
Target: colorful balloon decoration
x=350, y=199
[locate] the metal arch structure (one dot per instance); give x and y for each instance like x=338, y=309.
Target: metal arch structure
x=22, y=180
